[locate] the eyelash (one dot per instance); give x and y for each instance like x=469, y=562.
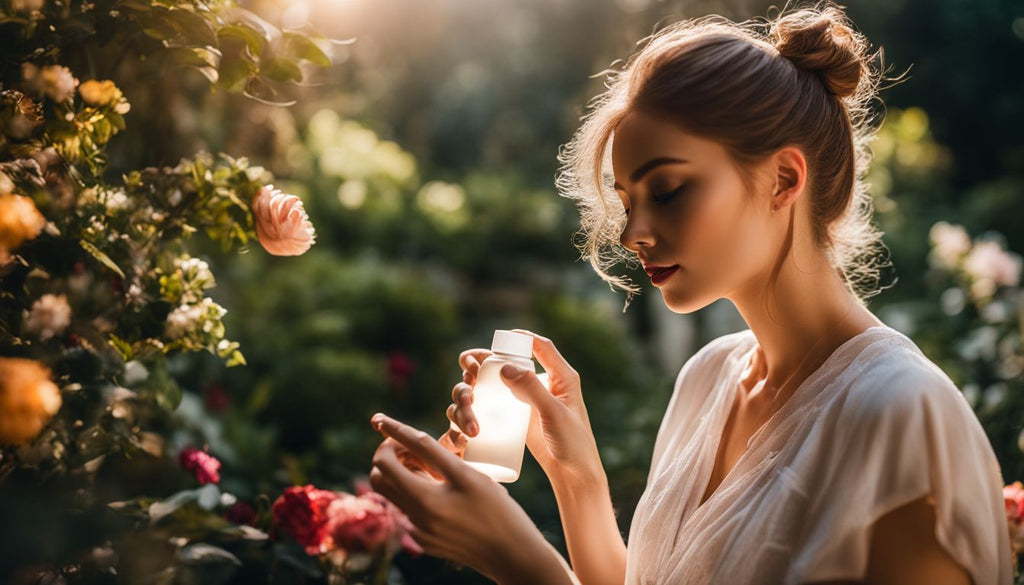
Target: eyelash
x=666, y=197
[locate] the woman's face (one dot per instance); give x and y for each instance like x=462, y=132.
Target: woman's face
x=690, y=219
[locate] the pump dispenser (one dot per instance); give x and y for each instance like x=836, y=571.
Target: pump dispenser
x=497, y=450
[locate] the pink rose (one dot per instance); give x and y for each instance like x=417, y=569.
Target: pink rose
x=368, y=521
x=301, y=513
x=201, y=464
x=282, y=225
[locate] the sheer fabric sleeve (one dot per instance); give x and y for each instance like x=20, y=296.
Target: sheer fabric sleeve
x=905, y=431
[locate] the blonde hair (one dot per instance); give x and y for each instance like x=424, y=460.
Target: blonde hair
x=804, y=78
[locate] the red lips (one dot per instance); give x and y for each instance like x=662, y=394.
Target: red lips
x=660, y=274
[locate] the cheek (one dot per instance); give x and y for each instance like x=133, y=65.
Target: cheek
x=724, y=234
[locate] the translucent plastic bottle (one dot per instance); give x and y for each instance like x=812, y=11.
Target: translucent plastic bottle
x=497, y=450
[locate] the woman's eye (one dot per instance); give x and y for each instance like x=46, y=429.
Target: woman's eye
x=665, y=197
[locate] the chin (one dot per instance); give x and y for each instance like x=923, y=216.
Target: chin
x=684, y=304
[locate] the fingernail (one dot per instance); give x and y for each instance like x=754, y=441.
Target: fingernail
x=512, y=372
x=376, y=420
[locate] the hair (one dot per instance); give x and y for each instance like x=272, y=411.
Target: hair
x=804, y=78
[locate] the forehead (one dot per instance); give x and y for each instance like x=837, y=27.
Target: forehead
x=641, y=136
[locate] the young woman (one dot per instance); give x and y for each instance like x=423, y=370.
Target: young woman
x=819, y=445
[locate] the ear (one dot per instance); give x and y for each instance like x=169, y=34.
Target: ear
x=790, y=169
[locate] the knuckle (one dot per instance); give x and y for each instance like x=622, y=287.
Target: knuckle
x=422, y=439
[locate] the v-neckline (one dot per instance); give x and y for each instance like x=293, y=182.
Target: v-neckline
x=730, y=404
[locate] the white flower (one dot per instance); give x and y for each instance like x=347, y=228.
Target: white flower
x=54, y=81
x=949, y=244
x=50, y=315
x=115, y=200
x=189, y=319
x=183, y=320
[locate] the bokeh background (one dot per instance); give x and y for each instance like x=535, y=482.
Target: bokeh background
x=426, y=155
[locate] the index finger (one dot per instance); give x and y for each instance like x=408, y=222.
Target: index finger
x=473, y=358
x=423, y=446
x=547, y=354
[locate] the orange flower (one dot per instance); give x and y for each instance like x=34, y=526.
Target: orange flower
x=28, y=399
x=282, y=225
x=19, y=221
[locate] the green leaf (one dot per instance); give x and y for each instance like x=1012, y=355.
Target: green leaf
x=99, y=255
x=300, y=46
x=192, y=27
x=280, y=69
x=252, y=38
x=123, y=347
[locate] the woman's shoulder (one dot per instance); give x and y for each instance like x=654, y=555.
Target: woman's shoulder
x=896, y=373
x=896, y=387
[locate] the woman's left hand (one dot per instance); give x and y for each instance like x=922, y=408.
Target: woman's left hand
x=459, y=513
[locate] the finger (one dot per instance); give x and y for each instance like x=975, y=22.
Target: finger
x=454, y=441
x=463, y=419
x=462, y=394
x=549, y=357
x=423, y=446
x=525, y=385
x=407, y=488
x=462, y=415
x=470, y=361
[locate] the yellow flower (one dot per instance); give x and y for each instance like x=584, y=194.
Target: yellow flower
x=28, y=399
x=19, y=221
x=99, y=93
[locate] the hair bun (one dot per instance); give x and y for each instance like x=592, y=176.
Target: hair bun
x=823, y=41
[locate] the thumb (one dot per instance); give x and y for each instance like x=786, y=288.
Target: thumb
x=526, y=386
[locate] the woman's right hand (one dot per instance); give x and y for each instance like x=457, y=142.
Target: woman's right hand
x=559, y=437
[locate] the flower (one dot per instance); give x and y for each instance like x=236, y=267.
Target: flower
x=282, y=225
x=989, y=263
x=50, y=315
x=949, y=244
x=301, y=513
x=54, y=81
x=19, y=221
x=400, y=368
x=368, y=521
x=1013, y=496
x=27, y=5
x=241, y=513
x=204, y=466
x=98, y=93
x=28, y=399
x=187, y=319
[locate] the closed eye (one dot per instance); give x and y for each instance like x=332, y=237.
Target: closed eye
x=666, y=197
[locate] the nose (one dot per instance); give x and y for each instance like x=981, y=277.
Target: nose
x=638, y=232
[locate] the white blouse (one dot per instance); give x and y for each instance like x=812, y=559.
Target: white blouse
x=876, y=426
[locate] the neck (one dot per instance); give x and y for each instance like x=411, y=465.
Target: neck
x=810, y=315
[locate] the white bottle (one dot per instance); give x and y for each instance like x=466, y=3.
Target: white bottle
x=497, y=450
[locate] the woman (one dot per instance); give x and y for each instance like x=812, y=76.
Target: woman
x=817, y=446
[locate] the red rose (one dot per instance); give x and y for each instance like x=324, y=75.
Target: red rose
x=204, y=466
x=301, y=513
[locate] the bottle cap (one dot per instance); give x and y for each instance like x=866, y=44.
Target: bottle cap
x=510, y=342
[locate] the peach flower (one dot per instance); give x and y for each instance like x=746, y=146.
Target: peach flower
x=19, y=221
x=282, y=225
x=28, y=399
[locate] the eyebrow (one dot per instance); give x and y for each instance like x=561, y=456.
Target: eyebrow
x=651, y=165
